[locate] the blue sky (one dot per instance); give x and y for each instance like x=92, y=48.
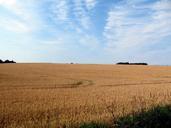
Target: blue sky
x=86, y=31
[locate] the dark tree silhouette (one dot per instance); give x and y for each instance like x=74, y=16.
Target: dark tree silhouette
x=1, y=61
x=123, y=63
x=127, y=63
x=7, y=61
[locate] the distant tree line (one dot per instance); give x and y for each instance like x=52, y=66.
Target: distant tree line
x=6, y=61
x=127, y=63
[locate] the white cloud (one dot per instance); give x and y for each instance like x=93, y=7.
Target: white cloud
x=60, y=10
x=82, y=11
x=81, y=14
x=20, y=16
x=89, y=41
x=130, y=26
x=14, y=25
x=7, y=3
x=90, y=4
x=15, y=7
x=162, y=5
x=73, y=13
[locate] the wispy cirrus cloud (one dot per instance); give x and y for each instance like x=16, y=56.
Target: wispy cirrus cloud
x=14, y=25
x=19, y=16
x=75, y=13
x=10, y=4
x=9, y=23
x=81, y=14
x=60, y=10
x=133, y=25
x=90, y=4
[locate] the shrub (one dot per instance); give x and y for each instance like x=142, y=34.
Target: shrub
x=157, y=117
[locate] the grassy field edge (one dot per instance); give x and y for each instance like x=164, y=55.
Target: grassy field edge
x=156, y=117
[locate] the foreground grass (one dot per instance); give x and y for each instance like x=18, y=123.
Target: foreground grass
x=157, y=117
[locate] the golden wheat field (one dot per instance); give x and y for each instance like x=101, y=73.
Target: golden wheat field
x=63, y=95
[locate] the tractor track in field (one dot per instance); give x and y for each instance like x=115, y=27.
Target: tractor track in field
x=129, y=84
